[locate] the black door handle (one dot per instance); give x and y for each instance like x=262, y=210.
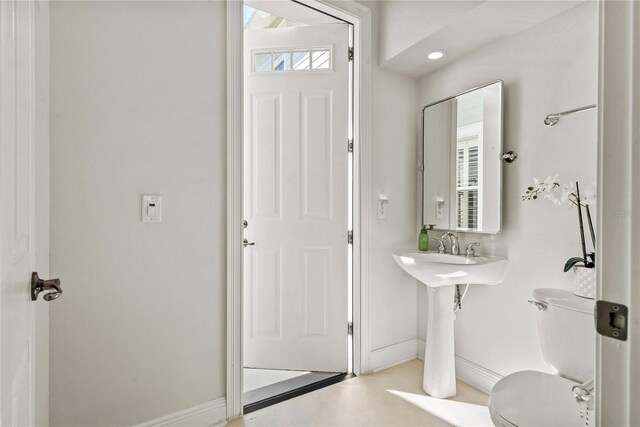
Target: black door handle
x=38, y=285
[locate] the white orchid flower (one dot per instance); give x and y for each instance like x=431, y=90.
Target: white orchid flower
x=558, y=194
x=547, y=184
x=550, y=181
x=554, y=199
x=554, y=191
x=566, y=190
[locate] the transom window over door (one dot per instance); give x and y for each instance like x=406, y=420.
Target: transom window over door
x=312, y=59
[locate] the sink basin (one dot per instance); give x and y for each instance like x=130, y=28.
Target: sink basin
x=439, y=272
x=434, y=269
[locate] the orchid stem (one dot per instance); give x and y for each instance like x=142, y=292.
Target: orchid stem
x=584, y=246
x=593, y=234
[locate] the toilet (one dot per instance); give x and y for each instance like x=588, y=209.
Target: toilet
x=567, y=336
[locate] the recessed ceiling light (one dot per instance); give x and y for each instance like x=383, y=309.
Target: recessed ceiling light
x=436, y=54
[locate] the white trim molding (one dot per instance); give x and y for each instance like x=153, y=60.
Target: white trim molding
x=208, y=414
x=617, y=381
x=475, y=375
x=360, y=17
x=392, y=355
x=234, y=207
x=468, y=372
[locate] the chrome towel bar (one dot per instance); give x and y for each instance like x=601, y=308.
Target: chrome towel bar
x=553, y=119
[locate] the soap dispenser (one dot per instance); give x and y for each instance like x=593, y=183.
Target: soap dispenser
x=423, y=239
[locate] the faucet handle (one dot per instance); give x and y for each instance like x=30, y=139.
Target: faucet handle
x=470, y=252
x=441, y=248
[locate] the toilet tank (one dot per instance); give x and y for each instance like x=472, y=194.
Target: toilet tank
x=567, y=332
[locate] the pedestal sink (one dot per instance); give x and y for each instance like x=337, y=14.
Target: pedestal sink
x=440, y=273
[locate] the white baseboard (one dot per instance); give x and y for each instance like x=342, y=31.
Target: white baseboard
x=392, y=355
x=213, y=413
x=468, y=372
x=475, y=375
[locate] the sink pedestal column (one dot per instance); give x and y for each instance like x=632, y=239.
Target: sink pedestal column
x=439, y=357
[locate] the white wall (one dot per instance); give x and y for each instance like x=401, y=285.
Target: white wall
x=392, y=313
x=137, y=106
x=549, y=68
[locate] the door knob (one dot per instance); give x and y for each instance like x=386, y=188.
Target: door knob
x=246, y=243
x=38, y=285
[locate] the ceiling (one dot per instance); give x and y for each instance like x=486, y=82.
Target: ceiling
x=410, y=30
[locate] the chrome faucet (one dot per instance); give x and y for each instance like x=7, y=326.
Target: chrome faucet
x=470, y=252
x=441, y=248
x=453, y=240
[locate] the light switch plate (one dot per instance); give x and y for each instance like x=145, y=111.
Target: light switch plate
x=382, y=209
x=151, y=208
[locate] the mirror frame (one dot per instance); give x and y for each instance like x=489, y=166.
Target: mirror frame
x=501, y=142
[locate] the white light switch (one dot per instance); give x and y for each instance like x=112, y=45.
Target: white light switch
x=151, y=208
x=383, y=202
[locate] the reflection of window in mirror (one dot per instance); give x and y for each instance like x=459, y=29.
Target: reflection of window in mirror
x=468, y=189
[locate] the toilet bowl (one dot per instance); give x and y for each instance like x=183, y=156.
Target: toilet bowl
x=567, y=338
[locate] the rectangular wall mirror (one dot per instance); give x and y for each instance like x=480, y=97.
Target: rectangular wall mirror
x=462, y=165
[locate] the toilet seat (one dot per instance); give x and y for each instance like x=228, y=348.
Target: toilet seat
x=531, y=398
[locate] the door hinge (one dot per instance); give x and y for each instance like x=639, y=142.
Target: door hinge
x=350, y=146
x=611, y=319
x=350, y=53
x=350, y=237
x=350, y=328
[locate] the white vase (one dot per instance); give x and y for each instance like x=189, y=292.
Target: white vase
x=584, y=282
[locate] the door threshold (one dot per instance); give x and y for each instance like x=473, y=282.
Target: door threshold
x=294, y=392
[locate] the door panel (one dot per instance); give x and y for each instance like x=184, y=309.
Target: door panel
x=316, y=154
x=17, y=189
x=296, y=195
x=316, y=270
x=266, y=155
x=266, y=299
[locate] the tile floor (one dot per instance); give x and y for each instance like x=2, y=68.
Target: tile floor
x=392, y=397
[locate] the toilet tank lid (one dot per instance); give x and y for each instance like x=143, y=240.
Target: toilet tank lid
x=565, y=299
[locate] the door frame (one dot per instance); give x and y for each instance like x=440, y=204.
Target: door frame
x=359, y=16
x=617, y=380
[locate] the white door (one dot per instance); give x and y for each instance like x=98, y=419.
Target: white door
x=17, y=257
x=17, y=213
x=295, y=198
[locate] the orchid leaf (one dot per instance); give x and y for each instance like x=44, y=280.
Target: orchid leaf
x=572, y=262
